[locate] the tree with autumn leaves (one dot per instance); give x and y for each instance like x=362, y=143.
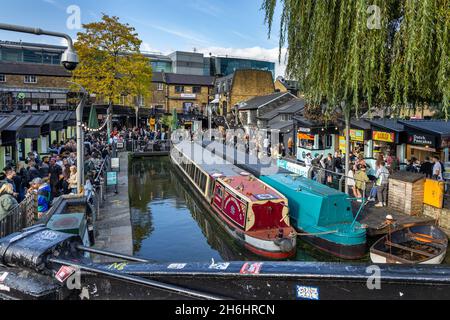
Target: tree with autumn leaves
x=111, y=64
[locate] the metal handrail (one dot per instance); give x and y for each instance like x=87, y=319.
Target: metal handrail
x=20, y=217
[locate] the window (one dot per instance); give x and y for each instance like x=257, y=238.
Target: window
x=2, y=78
x=197, y=89
x=179, y=89
x=30, y=79
x=160, y=86
x=286, y=117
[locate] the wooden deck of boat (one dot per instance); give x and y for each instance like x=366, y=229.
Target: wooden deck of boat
x=375, y=218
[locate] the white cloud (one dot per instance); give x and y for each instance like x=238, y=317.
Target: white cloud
x=251, y=53
x=205, y=7
x=55, y=4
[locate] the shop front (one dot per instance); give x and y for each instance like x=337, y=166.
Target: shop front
x=315, y=138
x=357, y=138
x=428, y=138
x=388, y=138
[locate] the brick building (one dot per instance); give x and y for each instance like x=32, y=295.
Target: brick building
x=242, y=86
x=33, y=86
x=185, y=93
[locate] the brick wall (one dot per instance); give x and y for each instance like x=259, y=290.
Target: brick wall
x=42, y=82
x=442, y=214
x=248, y=84
x=176, y=100
x=279, y=86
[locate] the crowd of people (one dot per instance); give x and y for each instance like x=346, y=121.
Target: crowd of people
x=50, y=175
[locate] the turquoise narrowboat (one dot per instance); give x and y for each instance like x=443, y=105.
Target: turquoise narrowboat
x=323, y=214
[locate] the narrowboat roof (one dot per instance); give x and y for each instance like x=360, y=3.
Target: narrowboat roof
x=209, y=162
x=225, y=170
x=294, y=182
x=252, y=188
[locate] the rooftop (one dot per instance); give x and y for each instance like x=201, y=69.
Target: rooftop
x=183, y=79
x=440, y=127
x=260, y=101
x=389, y=124
x=252, y=188
x=33, y=69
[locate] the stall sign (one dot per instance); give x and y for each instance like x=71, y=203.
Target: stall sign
x=111, y=178
x=293, y=167
x=421, y=139
x=357, y=135
x=384, y=136
x=115, y=164
x=342, y=145
x=305, y=130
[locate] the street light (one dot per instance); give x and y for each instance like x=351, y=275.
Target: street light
x=70, y=61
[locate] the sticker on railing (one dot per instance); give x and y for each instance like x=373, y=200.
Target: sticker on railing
x=3, y=276
x=307, y=293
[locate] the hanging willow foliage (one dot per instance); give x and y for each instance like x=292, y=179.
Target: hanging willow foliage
x=337, y=58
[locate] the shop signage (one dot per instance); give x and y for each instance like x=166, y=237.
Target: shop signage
x=342, y=144
x=189, y=95
x=421, y=139
x=111, y=178
x=384, y=136
x=293, y=167
x=306, y=130
x=115, y=164
x=357, y=135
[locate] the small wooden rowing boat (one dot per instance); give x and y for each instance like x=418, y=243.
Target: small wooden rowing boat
x=425, y=244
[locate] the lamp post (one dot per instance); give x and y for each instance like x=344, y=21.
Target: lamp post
x=70, y=61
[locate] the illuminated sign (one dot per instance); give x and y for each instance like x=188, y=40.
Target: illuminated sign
x=384, y=136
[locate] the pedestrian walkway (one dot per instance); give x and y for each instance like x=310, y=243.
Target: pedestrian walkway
x=114, y=225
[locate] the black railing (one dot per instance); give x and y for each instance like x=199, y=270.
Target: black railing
x=137, y=146
x=20, y=217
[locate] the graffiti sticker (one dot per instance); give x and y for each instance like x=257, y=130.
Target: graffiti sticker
x=176, y=266
x=251, y=268
x=307, y=293
x=219, y=266
x=3, y=276
x=64, y=273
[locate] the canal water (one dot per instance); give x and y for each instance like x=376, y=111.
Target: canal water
x=169, y=226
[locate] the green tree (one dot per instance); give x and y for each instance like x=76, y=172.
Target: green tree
x=377, y=53
x=111, y=63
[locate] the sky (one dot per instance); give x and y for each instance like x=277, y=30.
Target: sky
x=220, y=27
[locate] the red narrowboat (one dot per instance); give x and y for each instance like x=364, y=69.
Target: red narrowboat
x=250, y=210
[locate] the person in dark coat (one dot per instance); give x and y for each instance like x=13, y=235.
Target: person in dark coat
x=427, y=168
x=55, y=173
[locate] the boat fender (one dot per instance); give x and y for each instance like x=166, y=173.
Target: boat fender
x=284, y=244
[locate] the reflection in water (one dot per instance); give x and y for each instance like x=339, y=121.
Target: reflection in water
x=169, y=225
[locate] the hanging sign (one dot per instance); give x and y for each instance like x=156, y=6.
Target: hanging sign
x=384, y=136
